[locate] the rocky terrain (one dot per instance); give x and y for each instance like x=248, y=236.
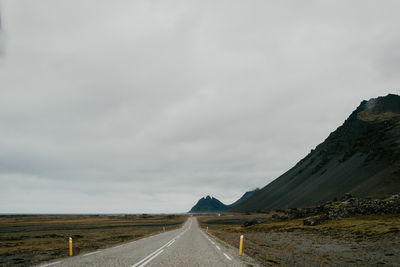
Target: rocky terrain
x=347, y=207
x=347, y=232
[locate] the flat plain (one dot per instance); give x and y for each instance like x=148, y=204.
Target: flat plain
x=26, y=240
x=370, y=240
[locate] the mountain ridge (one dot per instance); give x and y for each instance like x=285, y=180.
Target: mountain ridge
x=361, y=157
x=211, y=204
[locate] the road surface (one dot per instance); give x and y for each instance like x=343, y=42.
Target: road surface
x=187, y=246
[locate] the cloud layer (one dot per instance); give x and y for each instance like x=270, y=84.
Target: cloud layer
x=146, y=106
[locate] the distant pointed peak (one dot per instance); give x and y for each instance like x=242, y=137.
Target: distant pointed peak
x=209, y=204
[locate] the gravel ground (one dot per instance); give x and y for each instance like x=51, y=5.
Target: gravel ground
x=299, y=248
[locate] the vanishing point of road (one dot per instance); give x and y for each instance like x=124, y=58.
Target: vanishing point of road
x=187, y=246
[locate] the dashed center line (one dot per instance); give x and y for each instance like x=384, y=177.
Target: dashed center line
x=154, y=254
x=151, y=258
x=151, y=255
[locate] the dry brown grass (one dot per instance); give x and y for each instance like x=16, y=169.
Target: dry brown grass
x=30, y=239
x=368, y=116
x=368, y=227
x=361, y=240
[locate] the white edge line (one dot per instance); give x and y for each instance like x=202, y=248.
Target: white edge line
x=149, y=260
x=91, y=253
x=226, y=256
x=118, y=246
x=49, y=264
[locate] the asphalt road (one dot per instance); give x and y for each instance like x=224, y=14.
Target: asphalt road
x=187, y=246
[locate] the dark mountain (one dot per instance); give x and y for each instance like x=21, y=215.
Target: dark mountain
x=244, y=197
x=362, y=157
x=210, y=204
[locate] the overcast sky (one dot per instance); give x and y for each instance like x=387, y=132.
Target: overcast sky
x=147, y=106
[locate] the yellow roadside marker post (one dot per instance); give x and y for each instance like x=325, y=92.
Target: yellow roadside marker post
x=241, y=246
x=70, y=246
x=207, y=229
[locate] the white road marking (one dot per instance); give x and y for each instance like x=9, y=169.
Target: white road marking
x=49, y=264
x=226, y=256
x=151, y=255
x=118, y=246
x=154, y=254
x=171, y=243
x=91, y=253
x=152, y=258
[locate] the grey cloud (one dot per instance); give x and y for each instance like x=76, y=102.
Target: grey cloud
x=388, y=60
x=146, y=106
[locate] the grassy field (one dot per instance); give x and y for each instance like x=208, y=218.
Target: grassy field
x=30, y=239
x=372, y=240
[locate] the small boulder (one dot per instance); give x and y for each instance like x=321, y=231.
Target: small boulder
x=250, y=222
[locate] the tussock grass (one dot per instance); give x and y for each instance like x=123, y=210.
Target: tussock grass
x=369, y=226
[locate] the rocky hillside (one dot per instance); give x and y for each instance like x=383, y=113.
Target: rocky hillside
x=244, y=197
x=347, y=206
x=361, y=157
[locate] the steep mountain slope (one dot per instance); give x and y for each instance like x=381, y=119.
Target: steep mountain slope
x=361, y=157
x=244, y=197
x=210, y=204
